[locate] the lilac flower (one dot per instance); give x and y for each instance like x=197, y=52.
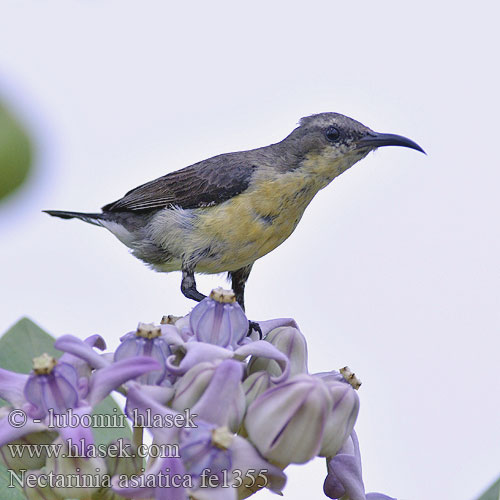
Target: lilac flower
x=210, y=446
x=290, y=341
x=219, y=319
x=51, y=385
x=255, y=384
x=344, y=412
x=146, y=341
x=81, y=352
x=84, y=475
x=344, y=474
x=191, y=353
x=55, y=387
x=286, y=423
x=253, y=408
x=200, y=385
x=190, y=387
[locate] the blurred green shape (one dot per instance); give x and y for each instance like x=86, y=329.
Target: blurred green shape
x=15, y=153
x=493, y=493
x=10, y=489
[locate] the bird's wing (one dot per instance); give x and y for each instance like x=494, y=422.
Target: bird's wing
x=203, y=184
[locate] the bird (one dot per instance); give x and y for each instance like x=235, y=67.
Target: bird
x=222, y=214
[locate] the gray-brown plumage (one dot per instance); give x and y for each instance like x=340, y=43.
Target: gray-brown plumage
x=223, y=213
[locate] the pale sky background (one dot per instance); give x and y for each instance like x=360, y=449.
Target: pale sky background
x=393, y=270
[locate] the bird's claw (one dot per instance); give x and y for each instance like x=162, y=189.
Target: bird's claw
x=254, y=326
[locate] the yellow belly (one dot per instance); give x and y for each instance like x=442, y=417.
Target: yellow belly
x=253, y=223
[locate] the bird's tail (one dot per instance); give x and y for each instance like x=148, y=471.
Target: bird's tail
x=90, y=218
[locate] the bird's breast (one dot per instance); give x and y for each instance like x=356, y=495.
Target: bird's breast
x=255, y=222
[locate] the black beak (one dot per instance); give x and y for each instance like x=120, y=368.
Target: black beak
x=376, y=140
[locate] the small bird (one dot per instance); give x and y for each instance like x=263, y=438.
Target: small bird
x=224, y=213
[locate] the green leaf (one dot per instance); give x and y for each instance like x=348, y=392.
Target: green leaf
x=21, y=343
x=15, y=153
x=493, y=493
x=104, y=435
x=9, y=493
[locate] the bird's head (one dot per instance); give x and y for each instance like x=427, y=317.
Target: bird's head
x=330, y=143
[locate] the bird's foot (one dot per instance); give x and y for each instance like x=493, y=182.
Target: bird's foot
x=253, y=326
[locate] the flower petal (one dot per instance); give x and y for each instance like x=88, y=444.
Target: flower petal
x=218, y=493
x=292, y=344
x=166, y=467
x=9, y=433
x=12, y=387
x=255, y=384
x=271, y=324
x=261, y=348
x=160, y=393
x=246, y=458
x=223, y=402
x=196, y=352
x=147, y=411
x=344, y=472
x=82, y=439
x=80, y=349
x=190, y=387
x=106, y=379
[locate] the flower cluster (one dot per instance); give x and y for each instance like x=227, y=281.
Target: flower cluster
x=243, y=403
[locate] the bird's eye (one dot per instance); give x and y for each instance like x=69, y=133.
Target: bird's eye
x=332, y=134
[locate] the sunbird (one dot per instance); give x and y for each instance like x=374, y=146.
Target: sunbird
x=222, y=214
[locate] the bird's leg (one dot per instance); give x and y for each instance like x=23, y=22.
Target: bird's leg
x=188, y=285
x=238, y=281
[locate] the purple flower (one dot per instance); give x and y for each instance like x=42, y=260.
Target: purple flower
x=345, y=408
x=51, y=385
x=209, y=446
x=287, y=422
x=220, y=380
x=206, y=448
x=54, y=388
x=255, y=384
x=345, y=475
x=219, y=319
x=191, y=353
x=290, y=341
x=146, y=341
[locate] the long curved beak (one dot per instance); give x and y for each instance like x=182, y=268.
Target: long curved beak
x=376, y=140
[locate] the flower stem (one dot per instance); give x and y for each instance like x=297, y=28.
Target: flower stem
x=138, y=435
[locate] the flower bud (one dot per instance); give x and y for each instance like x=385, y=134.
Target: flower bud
x=84, y=475
x=341, y=418
x=190, y=387
x=286, y=423
x=219, y=319
x=39, y=440
x=40, y=489
x=255, y=384
x=290, y=342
